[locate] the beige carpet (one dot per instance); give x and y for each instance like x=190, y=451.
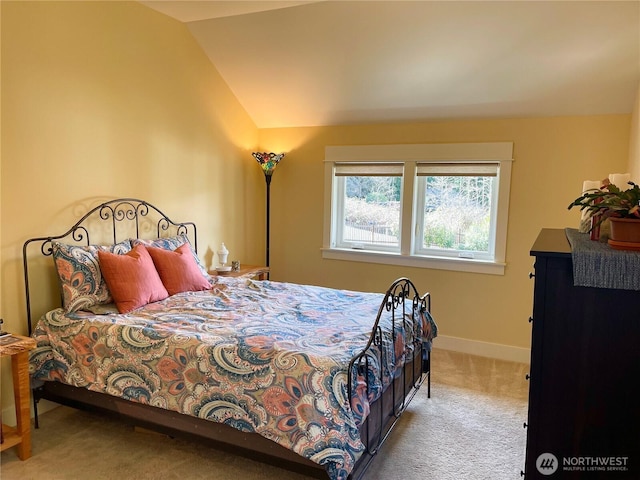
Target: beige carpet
x=470, y=428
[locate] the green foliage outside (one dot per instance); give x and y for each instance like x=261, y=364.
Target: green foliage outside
x=452, y=228
x=457, y=211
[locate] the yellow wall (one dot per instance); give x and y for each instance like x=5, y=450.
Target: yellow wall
x=0, y=162
x=634, y=142
x=552, y=158
x=109, y=99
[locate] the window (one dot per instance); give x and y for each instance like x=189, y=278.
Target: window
x=436, y=206
x=368, y=206
x=455, y=209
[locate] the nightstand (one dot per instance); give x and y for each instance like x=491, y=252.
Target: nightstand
x=253, y=271
x=19, y=436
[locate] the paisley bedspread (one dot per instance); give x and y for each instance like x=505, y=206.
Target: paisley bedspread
x=264, y=357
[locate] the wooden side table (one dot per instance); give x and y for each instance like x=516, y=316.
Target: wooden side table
x=254, y=271
x=19, y=436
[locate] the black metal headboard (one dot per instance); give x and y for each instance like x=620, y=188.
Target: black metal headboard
x=122, y=218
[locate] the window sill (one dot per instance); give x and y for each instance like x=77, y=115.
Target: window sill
x=438, y=263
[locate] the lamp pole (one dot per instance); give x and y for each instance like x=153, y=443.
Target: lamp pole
x=268, y=179
x=268, y=161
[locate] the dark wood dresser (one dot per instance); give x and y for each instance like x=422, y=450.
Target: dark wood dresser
x=584, y=406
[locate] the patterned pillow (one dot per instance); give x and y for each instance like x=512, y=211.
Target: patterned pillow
x=172, y=243
x=78, y=269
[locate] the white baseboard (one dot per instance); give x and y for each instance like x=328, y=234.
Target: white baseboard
x=9, y=413
x=483, y=349
x=9, y=416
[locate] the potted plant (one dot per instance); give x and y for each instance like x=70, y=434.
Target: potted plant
x=621, y=207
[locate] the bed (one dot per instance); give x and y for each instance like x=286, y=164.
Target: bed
x=305, y=377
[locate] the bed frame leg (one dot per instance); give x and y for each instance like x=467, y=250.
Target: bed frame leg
x=35, y=411
x=37, y=388
x=426, y=369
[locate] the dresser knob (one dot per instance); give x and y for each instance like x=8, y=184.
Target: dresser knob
x=522, y=473
x=531, y=274
x=530, y=319
x=524, y=425
x=527, y=376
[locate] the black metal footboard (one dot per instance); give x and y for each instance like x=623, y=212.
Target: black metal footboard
x=406, y=309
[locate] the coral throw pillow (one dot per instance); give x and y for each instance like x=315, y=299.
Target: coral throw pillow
x=171, y=243
x=131, y=278
x=178, y=270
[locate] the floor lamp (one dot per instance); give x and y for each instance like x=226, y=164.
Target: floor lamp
x=268, y=162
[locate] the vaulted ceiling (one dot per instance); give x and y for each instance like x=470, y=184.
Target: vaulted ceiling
x=307, y=63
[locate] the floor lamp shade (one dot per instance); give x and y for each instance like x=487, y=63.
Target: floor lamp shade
x=268, y=162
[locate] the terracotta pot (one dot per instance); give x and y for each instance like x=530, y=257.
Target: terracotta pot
x=625, y=229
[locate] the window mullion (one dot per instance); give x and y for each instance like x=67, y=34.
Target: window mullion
x=418, y=213
x=407, y=208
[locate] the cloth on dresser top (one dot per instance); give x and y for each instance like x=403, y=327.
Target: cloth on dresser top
x=596, y=264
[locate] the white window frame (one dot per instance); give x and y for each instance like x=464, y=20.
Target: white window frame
x=410, y=155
